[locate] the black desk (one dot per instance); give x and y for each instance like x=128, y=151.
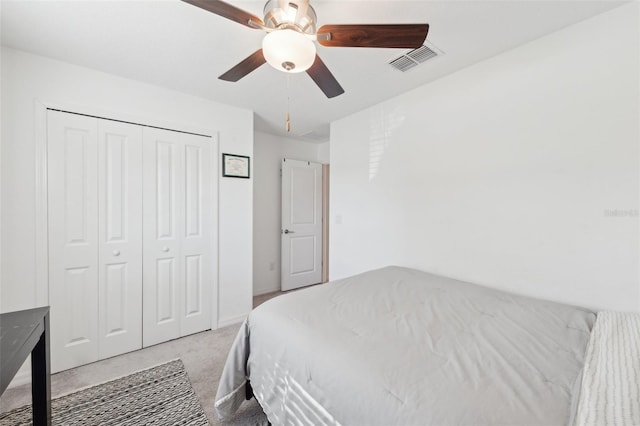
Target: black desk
x=23, y=333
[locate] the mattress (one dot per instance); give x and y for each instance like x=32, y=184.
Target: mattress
x=396, y=346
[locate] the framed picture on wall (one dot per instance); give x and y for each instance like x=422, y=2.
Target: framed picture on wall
x=236, y=166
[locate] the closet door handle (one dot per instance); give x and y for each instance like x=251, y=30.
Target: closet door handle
x=165, y=249
x=116, y=252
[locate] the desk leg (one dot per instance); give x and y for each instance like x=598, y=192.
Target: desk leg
x=41, y=378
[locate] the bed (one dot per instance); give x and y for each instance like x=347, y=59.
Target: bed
x=397, y=346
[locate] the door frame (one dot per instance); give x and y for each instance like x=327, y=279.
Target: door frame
x=326, y=170
x=41, y=185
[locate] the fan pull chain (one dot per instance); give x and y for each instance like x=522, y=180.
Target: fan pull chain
x=287, y=116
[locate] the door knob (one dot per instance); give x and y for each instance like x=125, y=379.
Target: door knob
x=165, y=249
x=286, y=231
x=116, y=252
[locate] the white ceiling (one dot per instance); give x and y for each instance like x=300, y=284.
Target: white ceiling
x=178, y=46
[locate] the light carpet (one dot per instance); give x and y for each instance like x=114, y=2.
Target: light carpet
x=160, y=395
x=203, y=354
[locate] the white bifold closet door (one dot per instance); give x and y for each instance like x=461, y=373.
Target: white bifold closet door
x=178, y=237
x=95, y=238
x=120, y=237
x=130, y=218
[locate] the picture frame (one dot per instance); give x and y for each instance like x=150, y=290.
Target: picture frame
x=236, y=166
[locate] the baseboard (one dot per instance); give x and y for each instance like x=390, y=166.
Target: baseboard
x=223, y=322
x=23, y=376
x=265, y=290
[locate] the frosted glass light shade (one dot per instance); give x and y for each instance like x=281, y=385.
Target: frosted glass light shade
x=288, y=50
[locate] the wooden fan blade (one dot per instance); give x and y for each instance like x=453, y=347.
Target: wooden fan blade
x=324, y=79
x=404, y=36
x=227, y=11
x=245, y=67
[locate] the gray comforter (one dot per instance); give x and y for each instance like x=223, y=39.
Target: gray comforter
x=398, y=346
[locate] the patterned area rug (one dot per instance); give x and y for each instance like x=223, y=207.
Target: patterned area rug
x=161, y=395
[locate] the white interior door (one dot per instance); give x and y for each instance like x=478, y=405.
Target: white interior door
x=73, y=238
x=177, y=235
x=120, y=237
x=301, y=223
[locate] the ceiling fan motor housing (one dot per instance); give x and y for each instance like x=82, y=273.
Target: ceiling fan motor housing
x=295, y=15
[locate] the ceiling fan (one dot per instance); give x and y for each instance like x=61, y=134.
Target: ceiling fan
x=291, y=32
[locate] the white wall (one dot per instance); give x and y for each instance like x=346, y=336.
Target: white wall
x=268, y=153
x=27, y=78
x=324, y=152
x=503, y=173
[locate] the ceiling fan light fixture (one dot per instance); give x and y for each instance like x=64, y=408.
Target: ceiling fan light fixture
x=288, y=50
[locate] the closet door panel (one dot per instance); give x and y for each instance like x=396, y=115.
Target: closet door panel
x=120, y=234
x=73, y=239
x=197, y=237
x=163, y=194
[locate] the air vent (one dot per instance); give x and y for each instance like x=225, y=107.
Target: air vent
x=403, y=63
x=415, y=57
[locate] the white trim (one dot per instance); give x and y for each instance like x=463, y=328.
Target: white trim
x=326, y=223
x=215, y=303
x=259, y=291
x=232, y=320
x=217, y=240
x=41, y=180
x=41, y=206
x=23, y=376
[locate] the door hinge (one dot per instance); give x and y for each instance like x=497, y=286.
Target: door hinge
x=280, y=172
